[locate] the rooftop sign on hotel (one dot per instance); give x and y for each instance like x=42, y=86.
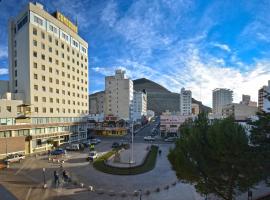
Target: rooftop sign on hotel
x=66, y=21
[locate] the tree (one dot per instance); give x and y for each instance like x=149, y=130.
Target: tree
x=215, y=157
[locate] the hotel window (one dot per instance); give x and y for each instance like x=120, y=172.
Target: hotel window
x=57, y=81
x=67, y=49
x=57, y=72
x=50, y=49
x=35, y=65
x=68, y=84
x=50, y=59
x=50, y=70
x=51, y=100
x=34, y=31
x=35, y=43
x=57, y=62
x=15, y=63
x=15, y=72
x=16, y=83
x=43, y=35
x=38, y=20
x=36, y=87
x=63, y=46
x=43, y=99
x=50, y=38
x=43, y=46
x=64, y=110
x=44, y=110
x=68, y=66
x=43, y=88
x=43, y=78
x=51, y=89
x=56, y=42
x=57, y=110
x=63, y=101
x=68, y=58
x=43, y=67
x=63, y=74
x=36, y=109
x=8, y=108
x=50, y=80
x=35, y=54
x=63, y=55
x=35, y=76
x=63, y=82
x=77, y=55
x=36, y=98
x=43, y=57
x=57, y=101
x=68, y=110
x=63, y=92
x=56, y=52
x=63, y=64
x=57, y=91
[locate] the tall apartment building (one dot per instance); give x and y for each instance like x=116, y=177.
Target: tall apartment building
x=221, y=97
x=48, y=63
x=97, y=103
x=48, y=73
x=185, y=102
x=139, y=105
x=263, y=102
x=119, y=95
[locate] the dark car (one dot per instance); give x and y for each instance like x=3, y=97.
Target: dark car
x=58, y=152
x=115, y=145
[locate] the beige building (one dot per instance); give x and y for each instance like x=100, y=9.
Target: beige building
x=246, y=100
x=48, y=83
x=239, y=111
x=97, y=103
x=263, y=102
x=195, y=109
x=119, y=95
x=48, y=63
x=220, y=98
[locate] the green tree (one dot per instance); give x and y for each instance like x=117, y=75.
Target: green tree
x=215, y=157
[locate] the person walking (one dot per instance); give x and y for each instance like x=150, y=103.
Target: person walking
x=56, y=178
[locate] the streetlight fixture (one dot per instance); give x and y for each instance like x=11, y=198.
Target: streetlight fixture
x=44, y=179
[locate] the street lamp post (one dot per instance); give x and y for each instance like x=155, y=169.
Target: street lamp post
x=44, y=178
x=140, y=191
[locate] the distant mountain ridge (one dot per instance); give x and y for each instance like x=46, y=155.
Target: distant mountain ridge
x=160, y=99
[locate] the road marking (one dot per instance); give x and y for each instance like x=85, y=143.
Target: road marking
x=28, y=194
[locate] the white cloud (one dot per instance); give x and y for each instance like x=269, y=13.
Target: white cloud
x=3, y=71
x=222, y=46
x=109, y=13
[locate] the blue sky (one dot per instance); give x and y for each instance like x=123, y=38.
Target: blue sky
x=199, y=45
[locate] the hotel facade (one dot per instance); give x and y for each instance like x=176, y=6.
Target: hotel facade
x=48, y=72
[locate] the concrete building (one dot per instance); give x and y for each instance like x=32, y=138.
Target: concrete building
x=48, y=63
x=220, y=98
x=195, y=110
x=4, y=87
x=246, y=100
x=185, y=102
x=170, y=122
x=48, y=73
x=263, y=102
x=97, y=103
x=9, y=108
x=119, y=95
x=139, y=105
x=240, y=112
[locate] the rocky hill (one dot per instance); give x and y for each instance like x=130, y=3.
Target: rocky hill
x=160, y=99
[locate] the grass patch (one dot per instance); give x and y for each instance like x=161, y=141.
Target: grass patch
x=148, y=164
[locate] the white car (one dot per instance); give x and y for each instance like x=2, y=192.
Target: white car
x=95, y=141
x=92, y=156
x=73, y=147
x=14, y=158
x=149, y=138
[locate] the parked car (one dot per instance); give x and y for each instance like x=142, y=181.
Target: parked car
x=149, y=138
x=115, y=145
x=86, y=143
x=92, y=156
x=170, y=139
x=95, y=141
x=58, y=152
x=14, y=158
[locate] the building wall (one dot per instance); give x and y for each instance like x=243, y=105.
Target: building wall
x=239, y=111
x=12, y=144
x=8, y=108
x=185, y=102
x=139, y=105
x=97, y=103
x=195, y=109
x=264, y=103
x=221, y=97
x=119, y=96
x=51, y=71
x=4, y=87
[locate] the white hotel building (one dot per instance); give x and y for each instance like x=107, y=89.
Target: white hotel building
x=48, y=72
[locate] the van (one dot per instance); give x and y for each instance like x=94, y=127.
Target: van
x=73, y=147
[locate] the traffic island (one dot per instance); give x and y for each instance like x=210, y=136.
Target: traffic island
x=147, y=165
